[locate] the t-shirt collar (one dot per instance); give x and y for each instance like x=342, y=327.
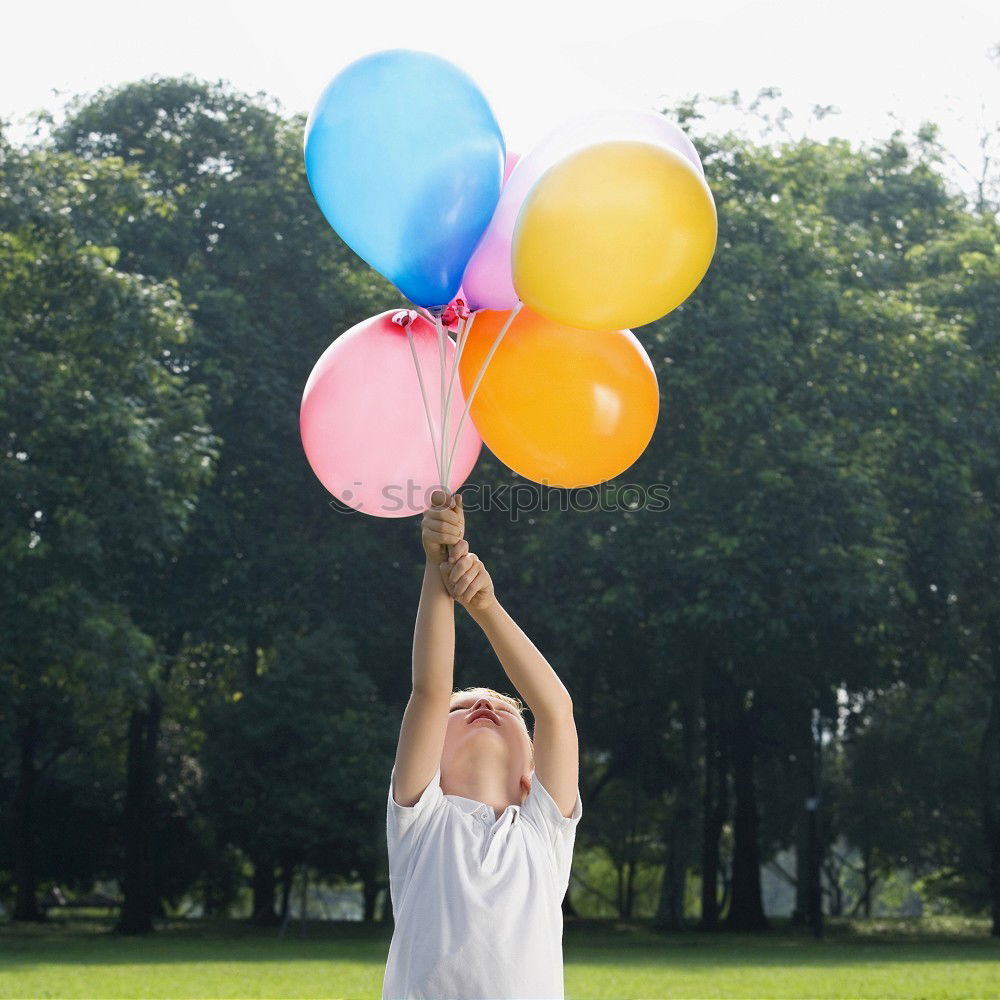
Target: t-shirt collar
x=471, y=805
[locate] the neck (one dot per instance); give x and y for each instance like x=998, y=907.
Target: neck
x=482, y=780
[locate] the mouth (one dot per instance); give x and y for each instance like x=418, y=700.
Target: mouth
x=484, y=713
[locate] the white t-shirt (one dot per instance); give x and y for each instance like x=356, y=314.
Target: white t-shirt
x=477, y=900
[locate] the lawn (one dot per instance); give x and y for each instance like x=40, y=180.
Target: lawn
x=603, y=960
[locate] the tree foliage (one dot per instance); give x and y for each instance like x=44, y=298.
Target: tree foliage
x=829, y=437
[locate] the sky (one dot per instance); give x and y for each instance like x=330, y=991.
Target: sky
x=883, y=64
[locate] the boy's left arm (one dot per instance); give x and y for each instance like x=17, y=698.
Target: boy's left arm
x=557, y=754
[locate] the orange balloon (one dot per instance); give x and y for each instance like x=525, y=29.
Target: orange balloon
x=560, y=406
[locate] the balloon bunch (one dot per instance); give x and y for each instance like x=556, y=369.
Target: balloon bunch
x=539, y=265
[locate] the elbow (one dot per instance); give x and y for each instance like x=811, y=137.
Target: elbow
x=560, y=708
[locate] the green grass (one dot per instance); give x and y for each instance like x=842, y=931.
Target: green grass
x=883, y=960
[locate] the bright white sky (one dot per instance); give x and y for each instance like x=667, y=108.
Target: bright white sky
x=540, y=62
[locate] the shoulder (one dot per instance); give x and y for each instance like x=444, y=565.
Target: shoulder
x=404, y=822
x=540, y=809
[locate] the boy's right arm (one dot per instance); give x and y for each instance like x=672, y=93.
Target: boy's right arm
x=421, y=735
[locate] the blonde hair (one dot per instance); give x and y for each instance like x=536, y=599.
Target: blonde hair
x=515, y=703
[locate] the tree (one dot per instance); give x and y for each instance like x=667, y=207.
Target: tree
x=105, y=450
x=289, y=760
x=953, y=504
x=269, y=285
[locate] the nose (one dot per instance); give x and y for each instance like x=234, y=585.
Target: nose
x=483, y=703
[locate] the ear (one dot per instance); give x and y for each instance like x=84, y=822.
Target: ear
x=525, y=786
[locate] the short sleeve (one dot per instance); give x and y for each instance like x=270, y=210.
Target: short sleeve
x=404, y=828
x=541, y=811
x=402, y=822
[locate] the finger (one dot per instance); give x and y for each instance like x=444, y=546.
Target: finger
x=444, y=579
x=458, y=586
x=462, y=566
x=443, y=537
x=440, y=514
x=469, y=587
x=447, y=514
x=440, y=499
x=466, y=578
x=459, y=549
x=442, y=528
x=462, y=561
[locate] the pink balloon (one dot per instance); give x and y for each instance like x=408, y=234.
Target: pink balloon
x=363, y=422
x=509, y=165
x=487, y=280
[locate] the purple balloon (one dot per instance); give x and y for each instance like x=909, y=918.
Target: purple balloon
x=488, y=282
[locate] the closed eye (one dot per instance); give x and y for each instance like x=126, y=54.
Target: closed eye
x=465, y=708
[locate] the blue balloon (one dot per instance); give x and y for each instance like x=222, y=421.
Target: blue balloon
x=406, y=160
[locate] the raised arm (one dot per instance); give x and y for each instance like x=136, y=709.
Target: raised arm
x=421, y=734
x=557, y=756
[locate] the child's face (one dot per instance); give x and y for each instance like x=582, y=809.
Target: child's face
x=499, y=735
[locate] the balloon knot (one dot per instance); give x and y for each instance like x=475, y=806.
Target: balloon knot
x=404, y=317
x=453, y=313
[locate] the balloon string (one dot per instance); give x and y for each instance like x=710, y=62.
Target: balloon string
x=446, y=412
x=423, y=391
x=479, y=377
x=463, y=336
x=441, y=352
x=466, y=328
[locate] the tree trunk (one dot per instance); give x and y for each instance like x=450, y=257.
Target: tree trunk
x=989, y=784
x=746, y=910
x=802, y=775
x=679, y=834
x=141, y=899
x=304, y=901
x=630, y=890
x=369, y=890
x=210, y=900
x=800, y=913
x=727, y=888
x=815, y=894
x=263, y=881
x=25, y=873
x=995, y=884
x=287, y=877
x=870, y=880
x=631, y=852
x=834, y=872
x=136, y=916
x=263, y=884
x=864, y=901
x=670, y=908
x=715, y=805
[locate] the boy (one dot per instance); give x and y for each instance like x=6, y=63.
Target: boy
x=480, y=821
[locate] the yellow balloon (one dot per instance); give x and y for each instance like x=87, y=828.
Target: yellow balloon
x=560, y=406
x=616, y=235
